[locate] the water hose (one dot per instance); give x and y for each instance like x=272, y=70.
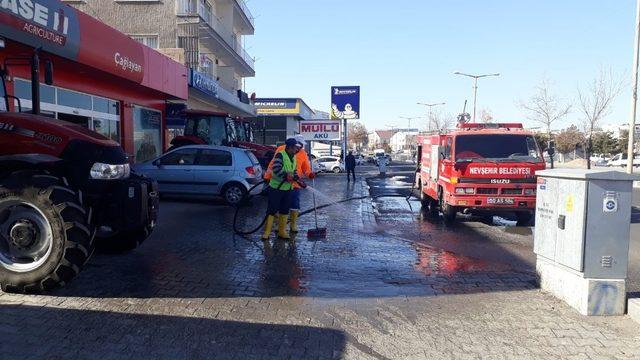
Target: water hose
x=248, y=195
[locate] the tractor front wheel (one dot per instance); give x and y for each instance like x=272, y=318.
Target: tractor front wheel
x=45, y=233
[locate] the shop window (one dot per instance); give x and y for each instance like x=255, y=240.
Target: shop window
x=107, y=128
x=106, y=106
x=74, y=99
x=146, y=133
x=22, y=90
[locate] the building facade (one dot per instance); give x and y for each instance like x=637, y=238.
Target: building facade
x=207, y=36
x=403, y=140
x=379, y=138
x=103, y=80
x=278, y=119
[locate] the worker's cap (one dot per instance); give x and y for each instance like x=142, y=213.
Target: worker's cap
x=300, y=140
x=291, y=142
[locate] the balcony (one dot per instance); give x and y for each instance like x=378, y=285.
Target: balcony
x=213, y=30
x=245, y=15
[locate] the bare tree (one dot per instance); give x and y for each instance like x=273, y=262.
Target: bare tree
x=440, y=121
x=594, y=102
x=544, y=107
x=486, y=116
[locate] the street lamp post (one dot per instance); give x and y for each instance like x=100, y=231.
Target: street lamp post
x=429, y=115
x=634, y=94
x=409, y=118
x=475, y=87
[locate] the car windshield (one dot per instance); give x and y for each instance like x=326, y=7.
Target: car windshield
x=502, y=148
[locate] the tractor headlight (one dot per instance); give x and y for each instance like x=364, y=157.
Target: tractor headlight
x=110, y=172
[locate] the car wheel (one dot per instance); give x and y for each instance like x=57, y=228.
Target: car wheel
x=234, y=193
x=336, y=170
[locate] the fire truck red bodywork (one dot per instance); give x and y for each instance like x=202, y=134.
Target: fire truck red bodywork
x=448, y=180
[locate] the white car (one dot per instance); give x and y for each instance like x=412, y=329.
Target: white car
x=620, y=160
x=330, y=163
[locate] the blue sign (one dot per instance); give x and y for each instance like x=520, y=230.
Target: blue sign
x=204, y=83
x=345, y=102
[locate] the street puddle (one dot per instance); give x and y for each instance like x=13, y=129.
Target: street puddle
x=432, y=262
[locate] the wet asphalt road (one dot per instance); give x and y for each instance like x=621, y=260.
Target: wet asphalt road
x=386, y=283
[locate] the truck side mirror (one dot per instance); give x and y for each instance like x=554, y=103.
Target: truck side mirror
x=48, y=72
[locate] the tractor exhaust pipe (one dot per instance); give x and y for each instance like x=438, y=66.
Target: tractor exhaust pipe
x=35, y=83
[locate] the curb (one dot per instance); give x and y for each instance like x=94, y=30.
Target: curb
x=633, y=309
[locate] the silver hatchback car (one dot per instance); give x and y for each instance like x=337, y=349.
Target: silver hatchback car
x=205, y=170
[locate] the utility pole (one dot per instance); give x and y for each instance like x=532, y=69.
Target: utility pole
x=429, y=115
x=634, y=92
x=475, y=87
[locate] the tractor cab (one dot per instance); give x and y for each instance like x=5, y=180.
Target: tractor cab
x=207, y=128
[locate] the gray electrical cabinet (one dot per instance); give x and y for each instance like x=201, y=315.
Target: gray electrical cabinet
x=583, y=220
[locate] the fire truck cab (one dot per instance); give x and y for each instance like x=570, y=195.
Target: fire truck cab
x=479, y=168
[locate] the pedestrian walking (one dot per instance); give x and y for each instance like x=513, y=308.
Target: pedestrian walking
x=350, y=165
x=282, y=177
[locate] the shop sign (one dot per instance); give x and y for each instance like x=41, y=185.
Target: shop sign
x=55, y=27
x=314, y=130
x=204, y=83
x=345, y=102
x=278, y=106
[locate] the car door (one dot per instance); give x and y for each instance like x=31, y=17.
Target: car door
x=214, y=169
x=174, y=171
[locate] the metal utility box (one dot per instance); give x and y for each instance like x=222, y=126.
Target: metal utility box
x=581, y=236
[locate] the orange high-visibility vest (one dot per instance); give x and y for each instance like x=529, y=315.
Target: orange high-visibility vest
x=303, y=165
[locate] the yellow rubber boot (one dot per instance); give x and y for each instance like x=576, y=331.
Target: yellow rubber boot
x=282, y=227
x=267, y=227
x=293, y=223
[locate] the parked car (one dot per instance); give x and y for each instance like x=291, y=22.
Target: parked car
x=331, y=163
x=359, y=159
x=205, y=170
x=620, y=160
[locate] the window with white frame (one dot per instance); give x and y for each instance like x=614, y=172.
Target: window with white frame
x=207, y=66
x=148, y=40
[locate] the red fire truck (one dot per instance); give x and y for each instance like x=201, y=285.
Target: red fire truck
x=479, y=168
x=212, y=128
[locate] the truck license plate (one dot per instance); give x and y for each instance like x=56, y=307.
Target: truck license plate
x=500, y=201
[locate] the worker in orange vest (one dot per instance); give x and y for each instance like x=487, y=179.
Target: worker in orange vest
x=303, y=168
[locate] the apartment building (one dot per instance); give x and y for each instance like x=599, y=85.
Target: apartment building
x=205, y=35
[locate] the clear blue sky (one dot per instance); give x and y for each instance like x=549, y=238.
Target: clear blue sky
x=402, y=52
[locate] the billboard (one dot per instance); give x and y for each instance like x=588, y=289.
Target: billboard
x=345, y=102
x=277, y=106
x=314, y=130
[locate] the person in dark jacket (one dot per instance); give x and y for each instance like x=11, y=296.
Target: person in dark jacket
x=350, y=165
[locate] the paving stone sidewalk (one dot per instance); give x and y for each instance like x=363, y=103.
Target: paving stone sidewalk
x=196, y=291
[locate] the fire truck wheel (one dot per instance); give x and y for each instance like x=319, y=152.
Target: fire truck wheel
x=449, y=212
x=524, y=218
x=429, y=204
x=45, y=233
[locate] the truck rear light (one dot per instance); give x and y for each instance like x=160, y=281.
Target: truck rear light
x=529, y=192
x=251, y=170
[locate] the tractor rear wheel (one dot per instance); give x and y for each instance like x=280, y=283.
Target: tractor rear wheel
x=45, y=233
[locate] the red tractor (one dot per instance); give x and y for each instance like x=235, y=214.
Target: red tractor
x=63, y=190
x=211, y=128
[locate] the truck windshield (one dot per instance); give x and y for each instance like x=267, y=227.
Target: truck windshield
x=497, y=147
x=211, y=129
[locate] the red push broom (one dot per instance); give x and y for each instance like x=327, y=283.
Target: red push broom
x=318, y=232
